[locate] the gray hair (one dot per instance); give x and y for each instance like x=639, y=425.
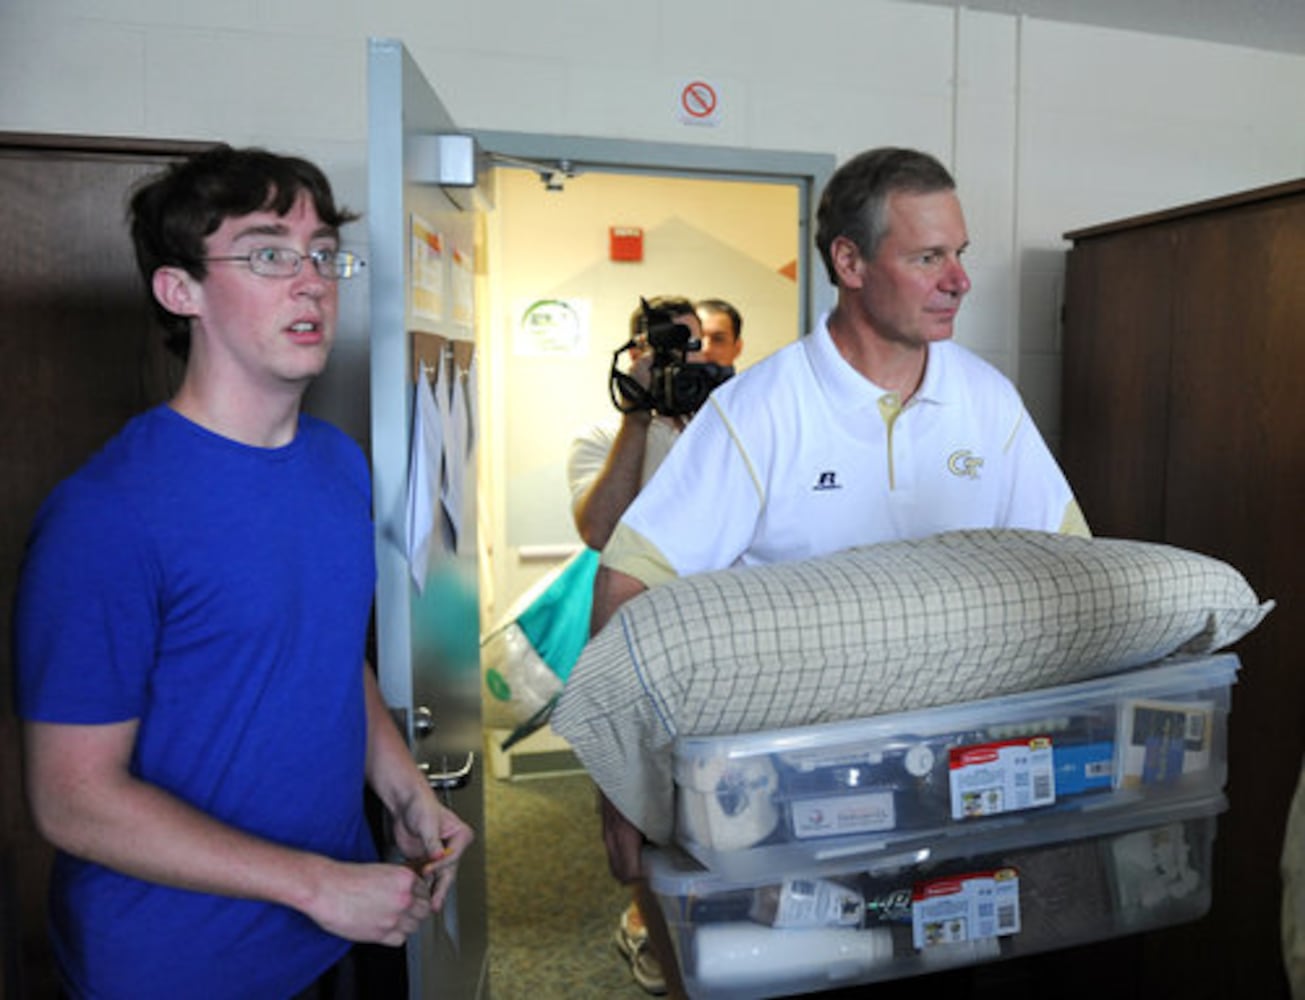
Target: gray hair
x=854, y=202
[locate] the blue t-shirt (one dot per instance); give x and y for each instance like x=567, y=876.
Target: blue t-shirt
x=220, y=594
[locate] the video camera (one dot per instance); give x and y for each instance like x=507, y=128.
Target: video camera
x=677, y=386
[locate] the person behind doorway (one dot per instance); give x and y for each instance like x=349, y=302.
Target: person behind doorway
x=722, y=331
x=607, y=467
x=609, y=462
x=875, y=427
x=199, y=721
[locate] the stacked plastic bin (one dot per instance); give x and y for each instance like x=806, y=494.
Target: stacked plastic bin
x=828, y=855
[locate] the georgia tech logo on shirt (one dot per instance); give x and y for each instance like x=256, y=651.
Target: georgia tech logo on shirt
x=827, y=481
x=964, y=463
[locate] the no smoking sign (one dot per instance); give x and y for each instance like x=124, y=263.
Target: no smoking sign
x=699, y=103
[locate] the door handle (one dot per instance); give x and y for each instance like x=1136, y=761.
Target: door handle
x=451, y=778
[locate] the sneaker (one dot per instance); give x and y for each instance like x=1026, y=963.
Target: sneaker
x=632, y=942
x=631, y=931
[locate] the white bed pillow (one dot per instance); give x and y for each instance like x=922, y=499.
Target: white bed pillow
x=882, y=628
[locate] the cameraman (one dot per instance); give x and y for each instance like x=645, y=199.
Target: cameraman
x=608, y=465
x=609, y=462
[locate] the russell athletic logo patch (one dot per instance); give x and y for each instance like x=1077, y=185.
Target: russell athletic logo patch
x=827, y=481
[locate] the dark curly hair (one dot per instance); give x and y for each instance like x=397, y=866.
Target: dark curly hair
x=172, y=212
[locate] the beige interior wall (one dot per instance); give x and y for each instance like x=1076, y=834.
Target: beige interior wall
x=702, y=238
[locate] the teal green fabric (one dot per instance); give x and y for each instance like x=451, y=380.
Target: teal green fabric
x=557, y=623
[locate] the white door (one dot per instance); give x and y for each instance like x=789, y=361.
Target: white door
x=422, y=251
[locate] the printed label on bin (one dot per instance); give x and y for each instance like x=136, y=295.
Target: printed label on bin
x=1163, y=740
x=965, y=908
x=1007, y=776
x=834, y=815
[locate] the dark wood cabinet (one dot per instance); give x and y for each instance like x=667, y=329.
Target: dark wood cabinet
x=1184, y=423
x=79, y=355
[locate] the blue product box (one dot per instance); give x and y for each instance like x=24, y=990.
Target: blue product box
x=1084, y=767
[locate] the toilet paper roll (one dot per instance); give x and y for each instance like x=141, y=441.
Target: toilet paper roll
x=746, y=955
x=728, y=805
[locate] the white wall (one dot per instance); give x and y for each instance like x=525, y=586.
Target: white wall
x=1049, y=126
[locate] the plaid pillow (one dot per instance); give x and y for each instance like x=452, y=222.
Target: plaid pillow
x=882, y=628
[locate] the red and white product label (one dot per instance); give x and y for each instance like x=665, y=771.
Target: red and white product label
x=1005, y=776
x=965, y=908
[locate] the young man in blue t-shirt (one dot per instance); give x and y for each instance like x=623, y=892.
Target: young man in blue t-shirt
x=199, y=721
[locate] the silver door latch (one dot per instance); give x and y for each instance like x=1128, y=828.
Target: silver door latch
x=450, y=778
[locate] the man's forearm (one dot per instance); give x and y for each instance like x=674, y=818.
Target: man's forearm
x=391, y=771
x=616, y=486
x=612, y=588
x=431, y=837
x=107, y=816
x=86, y=802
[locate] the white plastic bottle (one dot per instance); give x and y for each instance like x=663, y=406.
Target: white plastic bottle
x=741, y=955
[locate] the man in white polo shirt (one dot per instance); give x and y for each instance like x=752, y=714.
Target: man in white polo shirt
x=875, y=427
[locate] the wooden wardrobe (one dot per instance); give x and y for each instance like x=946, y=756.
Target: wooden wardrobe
x=1184, y=423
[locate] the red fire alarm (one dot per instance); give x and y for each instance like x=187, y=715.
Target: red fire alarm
x=626, y=242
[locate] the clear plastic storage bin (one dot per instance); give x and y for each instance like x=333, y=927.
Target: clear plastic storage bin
x=802, y=798
x=967, y=901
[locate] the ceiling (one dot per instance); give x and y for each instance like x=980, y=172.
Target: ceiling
x=1276, y=25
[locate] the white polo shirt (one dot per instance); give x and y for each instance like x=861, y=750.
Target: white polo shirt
x=801, y=455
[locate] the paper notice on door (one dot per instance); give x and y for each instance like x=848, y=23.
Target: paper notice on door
x=426, y=267
x=425, y=468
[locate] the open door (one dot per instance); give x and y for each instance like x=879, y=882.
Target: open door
x=422, y=231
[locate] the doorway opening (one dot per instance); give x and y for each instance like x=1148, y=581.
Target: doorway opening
x=709, y=223
x=712, y=223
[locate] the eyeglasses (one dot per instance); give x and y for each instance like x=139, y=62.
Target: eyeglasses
x=282, y=262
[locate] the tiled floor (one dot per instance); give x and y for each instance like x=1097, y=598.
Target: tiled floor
x=553, y=906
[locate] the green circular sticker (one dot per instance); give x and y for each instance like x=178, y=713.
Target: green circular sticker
x=498, y=687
